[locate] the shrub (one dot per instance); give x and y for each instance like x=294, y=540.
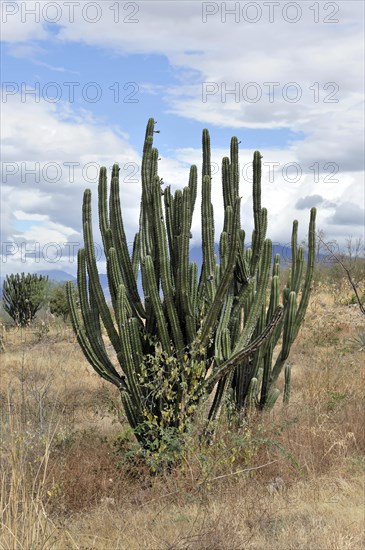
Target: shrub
x=23, y=296
x=58, y=304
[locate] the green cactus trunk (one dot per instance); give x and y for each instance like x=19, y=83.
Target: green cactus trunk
x=23, y=295
x=188, y=336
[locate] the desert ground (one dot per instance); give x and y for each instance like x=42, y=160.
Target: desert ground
x=288, y=479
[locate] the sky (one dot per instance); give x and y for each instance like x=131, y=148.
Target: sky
x=80, y=80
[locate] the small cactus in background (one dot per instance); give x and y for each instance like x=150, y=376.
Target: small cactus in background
x=190, y=334
x=23, y=296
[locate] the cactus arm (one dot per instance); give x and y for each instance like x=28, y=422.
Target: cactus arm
x=239, y=356
x=150, y=324
x=234, y=170
x=156, y=304
x=252, y=394
x=93, y=273
x=136, y=344
x=256, y=195
x=287, y=384
x=272, y=398
x=183, y=264
x=193, y=287
x=146, y=227
x=265, y=384
x=117, y=279
x=84, y=343
x=206, y=166
x=126, y=355
x=166, y=276
x=224, y=283
x=193, y=186
x=176, y=234
x=254, y=313
x=103, y=209
x=266, y=351
x=154, y=164
x=207, y=224
x=131, y=414
x=297, y=260
x=221, y=351
x=147, y=244
x=96, y=287
x=305, y=294
x=226, y=188
x=239, y=302
x=121, y=247
x=113, y=279
x=136, y=254
x=218, y=398
x=90, y=316
x=300, y=262
x=223, y=248
x=289, y=325
x=276, y=266
x=244, y=372
x=274, y=296
x=183, y=270
x=307, y=287
x=294, y=253
x=263, y=224
x=170, y=226
x=243, y=269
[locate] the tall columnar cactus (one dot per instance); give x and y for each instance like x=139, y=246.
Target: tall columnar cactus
x=188, y=336
x=23, y=296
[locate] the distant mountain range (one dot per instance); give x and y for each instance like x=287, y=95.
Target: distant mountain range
x=57, y=276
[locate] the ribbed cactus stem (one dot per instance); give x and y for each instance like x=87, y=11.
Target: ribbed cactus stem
x=239, y=356
x=306, y=290
x=272, y=398
x=192, y=333
x=95, y=282
x=287, y=385
x=257, y=237
x=251, y=394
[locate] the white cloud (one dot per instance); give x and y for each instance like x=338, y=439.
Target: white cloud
x=321, y=60
x=39, y=133
x=304, y=53
x=40, y=146
x=20, y=215
x=18, y=25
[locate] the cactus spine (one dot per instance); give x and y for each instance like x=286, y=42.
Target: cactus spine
x=190, y=334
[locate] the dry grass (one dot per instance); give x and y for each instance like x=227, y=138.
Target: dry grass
x=294, y=479
x=24, y=460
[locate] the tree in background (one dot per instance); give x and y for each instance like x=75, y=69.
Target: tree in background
x=350, y=263
x=58, y=304
x=23, y=296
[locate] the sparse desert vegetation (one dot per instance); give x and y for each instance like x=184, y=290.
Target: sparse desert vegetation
x=182, y=303
x=291, y=478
